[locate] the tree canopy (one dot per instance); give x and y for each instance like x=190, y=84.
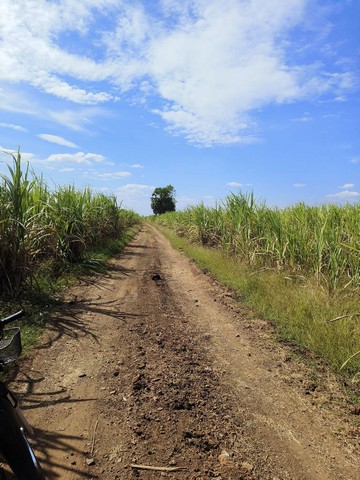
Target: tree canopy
x=163, y=200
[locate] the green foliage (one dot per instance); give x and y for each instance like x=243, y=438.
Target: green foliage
x=15, y=220
x=53, y=229
x=163, y=200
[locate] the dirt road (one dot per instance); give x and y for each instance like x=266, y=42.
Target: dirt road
x=154, y=364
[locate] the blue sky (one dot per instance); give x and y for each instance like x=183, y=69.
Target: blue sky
x=210, y=96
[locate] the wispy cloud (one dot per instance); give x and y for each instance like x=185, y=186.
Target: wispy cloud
x=135, y=196
x=25, y=156
x=238, y=185
x=355, y=159
x=184, y=201
x=136, y=188
x=299, y=185
x=346, y=186
x=58, y=140
x=209, y=200
x=77, y=119
x=134, y=165
x=12, y=126
x=78, y=158
x=345, y=194
x=304, y=118
x=109, y=175
x=13, y=99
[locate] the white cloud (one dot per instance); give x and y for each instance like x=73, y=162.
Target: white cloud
x=30, y=53
x=355, y=159
x=184, y=201
x=66, y=91
x=76, y=158
x=345, y=194
x=136, y=189
x=346, y=186
x=12, y=126
x=134, y=165
x=238, y=185
x=304, y=119
x=58, y=140
x=12, y=99
x=78, y=119
x=135, y=197
x=226, y=60
x=110, y=176
x=6, y=154
x=209, y=201
x=72, y=119
x=205, y=76
x=299, y=185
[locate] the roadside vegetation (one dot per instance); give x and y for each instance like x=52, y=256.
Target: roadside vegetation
x=163, y=200
x=48, y=237
x=298, y=266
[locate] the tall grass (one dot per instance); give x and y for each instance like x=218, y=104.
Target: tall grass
x=322, y=242
x=61, y=227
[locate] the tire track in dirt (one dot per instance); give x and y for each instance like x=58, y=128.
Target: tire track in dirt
x=155, y=364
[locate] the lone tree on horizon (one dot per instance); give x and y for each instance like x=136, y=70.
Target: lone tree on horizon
x=163, y=200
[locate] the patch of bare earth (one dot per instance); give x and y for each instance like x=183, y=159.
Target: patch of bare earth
x=155, y=365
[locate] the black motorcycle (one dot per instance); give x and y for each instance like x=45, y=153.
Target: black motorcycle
x=15, y=449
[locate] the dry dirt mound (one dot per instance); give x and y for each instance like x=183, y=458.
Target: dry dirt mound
x=154, y=365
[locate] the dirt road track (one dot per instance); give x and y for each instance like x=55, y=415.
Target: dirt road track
x=155, y=364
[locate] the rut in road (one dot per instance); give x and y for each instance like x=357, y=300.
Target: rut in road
x=155, y=365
